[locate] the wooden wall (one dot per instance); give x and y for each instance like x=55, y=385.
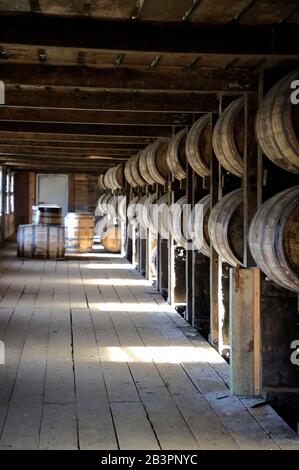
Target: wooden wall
x=83, y=196
x=83, y=192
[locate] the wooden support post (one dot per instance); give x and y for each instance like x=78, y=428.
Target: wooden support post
x=215, y=263
x=245, y=368
x=245, y=291
x=189, y=316
x=148, y=255
x=171, y=253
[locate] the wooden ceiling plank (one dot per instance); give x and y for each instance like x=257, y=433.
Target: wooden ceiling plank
x=268, y=12
x=218, y=12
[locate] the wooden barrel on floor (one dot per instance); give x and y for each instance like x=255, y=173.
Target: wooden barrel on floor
x=46, y=214
x=40, y=241
x=274, y=238
x=79, y=232
x=228, y=137
x=157, y=160
x=276, y=125
x=143, y=166
x=176, y=155
x=226, y=228
x=199, y=232
x=111, y=239
x=199, y=146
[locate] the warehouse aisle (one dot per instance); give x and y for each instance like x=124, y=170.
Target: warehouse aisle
x=95, y=359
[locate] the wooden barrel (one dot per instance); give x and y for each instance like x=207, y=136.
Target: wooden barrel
x=131, y=212
x=101, y=184
x=111, y=239
x=276, y=125
x=157, y=160
x=114, y=177
x=46, y=214
x=102, y=203
x=226, y=228
x=79, y=229
x=274, y=238
x=228, y=138
x=176, y=155
x=40, y=241
x=159, y=216
x=199, y=146
x=199, y=232
x=136, y=171
x=143, y=166
x=128, y=173
x=178, y=222
x=149, y=205
x=106, y=180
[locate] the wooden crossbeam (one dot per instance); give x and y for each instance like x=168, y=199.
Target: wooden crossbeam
x=212, y=80
x=74, y=147
x=85, y=32
x=103, y=99
x=35, y=114
x=85, y=129
x=25, y=136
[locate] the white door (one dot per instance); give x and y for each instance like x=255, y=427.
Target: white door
x=53, y=189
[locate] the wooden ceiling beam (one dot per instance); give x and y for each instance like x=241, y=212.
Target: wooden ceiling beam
x=54, y=160
x=112, y=100
x=60, y=164
x=24, y=136
x=19, y=150
x=107, y=148
x=85, y=129
x=209, y=80
x=45, y=115
x=122, y=36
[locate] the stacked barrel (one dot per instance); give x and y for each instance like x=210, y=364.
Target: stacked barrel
x=272, y=237
x=111, y=208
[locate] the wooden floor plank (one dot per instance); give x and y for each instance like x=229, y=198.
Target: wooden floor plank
x=45, y=293
x=95, y=424
x=77, y=293
x=14, y=339
x=133, y=428
x=111, y=366
x=23, y=419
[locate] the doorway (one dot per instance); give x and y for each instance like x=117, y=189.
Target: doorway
x=52, y=189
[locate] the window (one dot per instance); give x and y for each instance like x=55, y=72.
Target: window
x=9, y=190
